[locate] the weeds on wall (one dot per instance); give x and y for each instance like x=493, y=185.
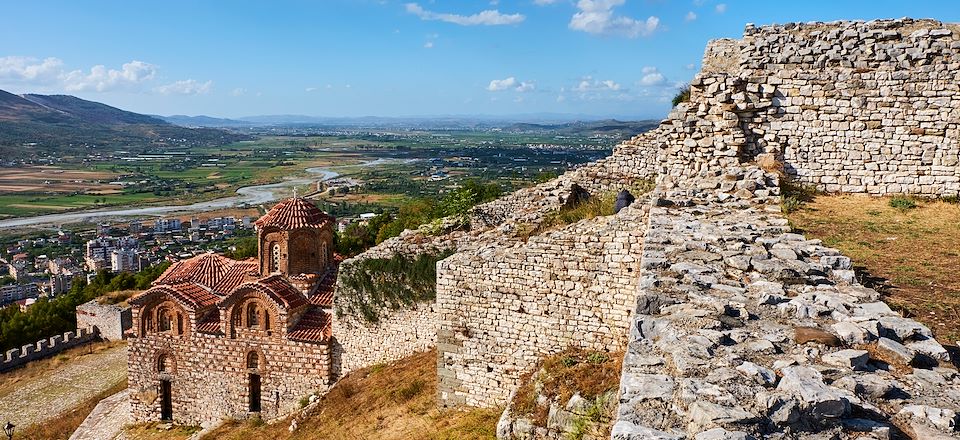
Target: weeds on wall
x=375, y=284
x=594, y=375
x=595, y=206
x=682, y=96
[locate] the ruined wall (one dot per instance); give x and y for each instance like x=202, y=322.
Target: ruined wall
x=110, y=321
x=209, y=375
x=745, y=330
x=859, y=107
x=16, y=357
x=502, y=308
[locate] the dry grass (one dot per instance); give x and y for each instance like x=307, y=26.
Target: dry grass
x=393, y=401
x=62, y=426
x=119, y=297
x=910, y=255
x=590, y=373
x=159, y=431
x=13, y=379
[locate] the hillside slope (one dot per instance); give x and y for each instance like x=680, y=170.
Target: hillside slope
x=67, y=124
x=392, y=401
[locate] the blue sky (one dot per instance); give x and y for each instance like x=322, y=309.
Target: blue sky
x=620, y=58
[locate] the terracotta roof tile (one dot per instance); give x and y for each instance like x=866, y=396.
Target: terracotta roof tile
x=238, y=273
x=294, y=213
x=323, y=294
x=288, y=295
x=210, y=323
x=192, y=295
x=207, y=269
x=314, y=326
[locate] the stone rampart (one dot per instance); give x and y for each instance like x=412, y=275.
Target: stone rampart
x=16, y=357
x=504, y=307
x=110, y=321
x=397, y=334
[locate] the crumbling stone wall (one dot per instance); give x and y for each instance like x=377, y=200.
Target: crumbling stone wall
x=502, y=308
x=110, y=321
x=744, y=329
x=858, y=107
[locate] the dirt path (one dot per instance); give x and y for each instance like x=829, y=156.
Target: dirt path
x=49, y=395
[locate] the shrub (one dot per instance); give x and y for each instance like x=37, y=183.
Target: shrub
x=682, y=96
x=795, y=194
x=902, y=203
x=951, y=199
x=377, y=283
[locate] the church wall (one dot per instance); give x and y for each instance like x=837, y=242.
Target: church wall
x=209, y=377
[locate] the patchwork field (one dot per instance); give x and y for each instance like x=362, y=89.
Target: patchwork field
x=910, y=254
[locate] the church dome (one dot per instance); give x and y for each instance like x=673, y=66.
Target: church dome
x=294, y=213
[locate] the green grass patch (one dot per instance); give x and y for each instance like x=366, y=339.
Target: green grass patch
x=902, y=203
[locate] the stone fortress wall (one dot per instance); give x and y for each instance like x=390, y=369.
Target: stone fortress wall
x=856, y=107
x=16, y=357
x=702, y=280
x=110, y=321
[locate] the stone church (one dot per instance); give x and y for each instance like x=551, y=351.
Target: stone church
x=216, y=337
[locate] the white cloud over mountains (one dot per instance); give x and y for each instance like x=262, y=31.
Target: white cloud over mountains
x=102, y=79
x=499, y=85
x=50, y=74
x=490, y=17
x=597, y=17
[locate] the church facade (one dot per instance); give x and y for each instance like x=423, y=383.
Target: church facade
x=215, y=338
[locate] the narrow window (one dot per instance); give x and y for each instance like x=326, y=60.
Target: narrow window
x=253, y=316
x=275, y=266
x=164, y=320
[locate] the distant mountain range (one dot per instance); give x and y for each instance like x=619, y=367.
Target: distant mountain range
x=66, y=124
x=527, y=122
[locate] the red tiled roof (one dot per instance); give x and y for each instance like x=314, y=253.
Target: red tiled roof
x=283, y=292
x=237, y=274
x=207, y=269
x=210, y=323
x=314, y=326
x=192, y=295
x=323, y=295
x=294, y=213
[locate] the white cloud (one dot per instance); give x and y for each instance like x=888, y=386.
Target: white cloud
x=101, y=79
x=499, y=85
x=651, y=77
x=721, y=8
x=490, y=17
x=690, y=16
x=597, y=17
x=185, y=87
x=561, y=98
x=544, y=2
x=588, y=84
x=310, y=89
x=428, y=45
x=30, y=70
x=239, y=91
x=690, y=66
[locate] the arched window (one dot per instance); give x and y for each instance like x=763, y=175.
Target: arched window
x=163, y=318
x=275, y=253
x=253, y=360
x=163, y=363
x=253, y=315
x=179, y=323
x=266, y=320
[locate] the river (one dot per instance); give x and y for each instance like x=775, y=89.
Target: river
x=246, y=196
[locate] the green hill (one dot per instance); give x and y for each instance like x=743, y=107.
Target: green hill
x=63, y=124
